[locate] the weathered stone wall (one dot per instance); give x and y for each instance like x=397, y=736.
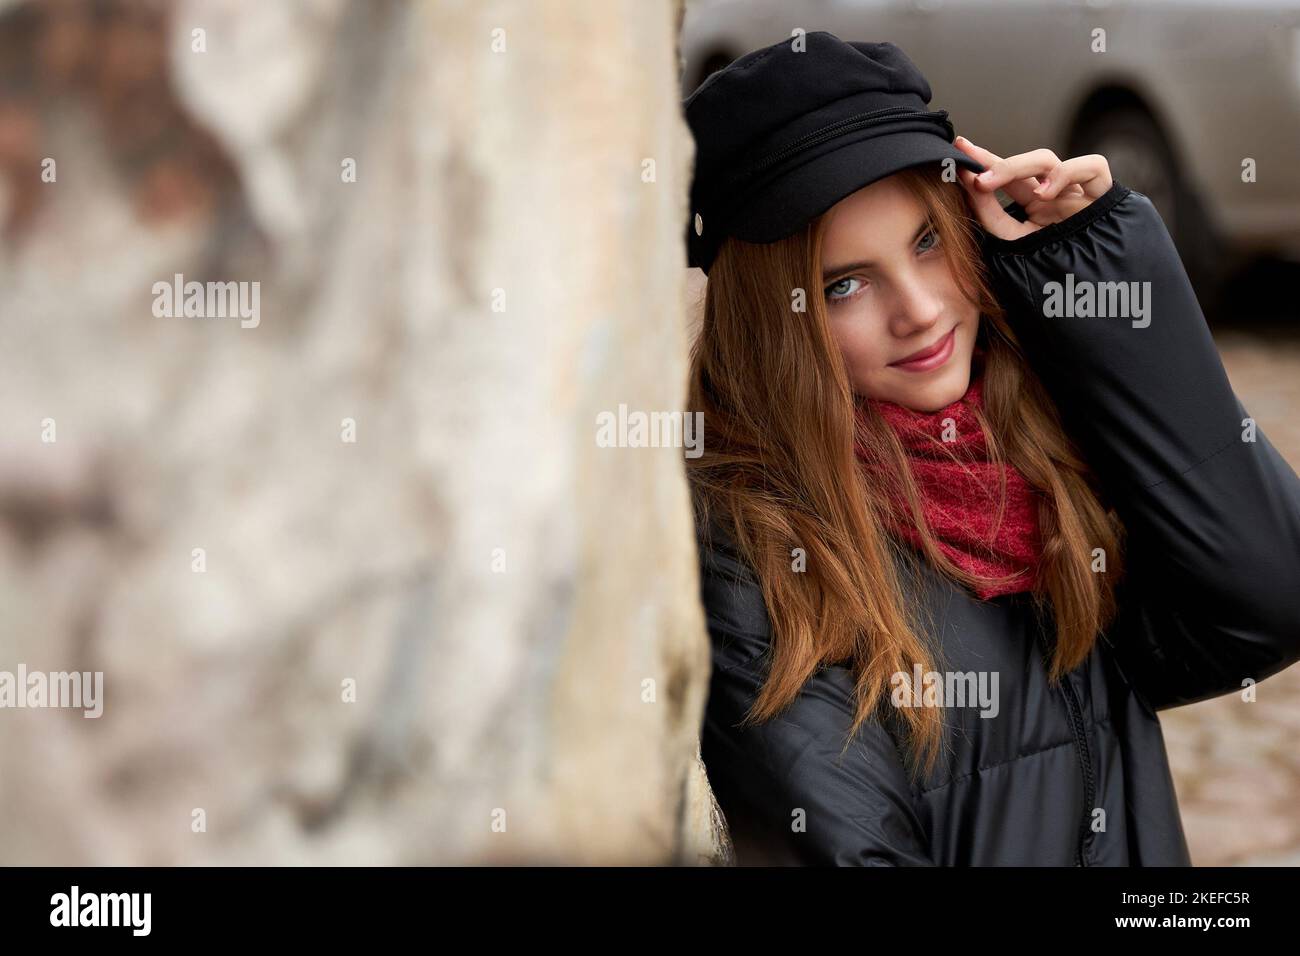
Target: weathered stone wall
x=361, y=583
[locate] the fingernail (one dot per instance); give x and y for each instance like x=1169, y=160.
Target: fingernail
x=986, y=174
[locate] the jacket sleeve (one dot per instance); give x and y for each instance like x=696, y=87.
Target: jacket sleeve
x=795, y=788
x=1212, y=590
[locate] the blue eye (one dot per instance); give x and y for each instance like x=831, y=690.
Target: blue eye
x=926, y=243
x=845, y=293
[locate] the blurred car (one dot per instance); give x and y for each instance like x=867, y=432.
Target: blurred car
x=1179, y=95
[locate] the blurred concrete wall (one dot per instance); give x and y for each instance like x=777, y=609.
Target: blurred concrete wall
x=361, y=583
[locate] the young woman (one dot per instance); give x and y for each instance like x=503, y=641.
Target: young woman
x=976, y=499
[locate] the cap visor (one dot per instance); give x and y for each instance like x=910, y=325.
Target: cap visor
x=784, y=206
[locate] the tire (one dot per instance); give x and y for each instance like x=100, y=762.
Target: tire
x=1140, y=157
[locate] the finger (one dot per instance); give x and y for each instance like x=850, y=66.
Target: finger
x=1021, y=192
x=1075, y=191
x=988, y=158
x=978, y=153
x=1044, y=212
x=995, y=220
x=1090, y=173
x=1022, y=166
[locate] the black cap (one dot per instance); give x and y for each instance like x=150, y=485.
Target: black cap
x=786, y=132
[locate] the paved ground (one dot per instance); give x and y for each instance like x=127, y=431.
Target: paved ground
x=1237, y=764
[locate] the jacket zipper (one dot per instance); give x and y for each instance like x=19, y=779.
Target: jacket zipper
x=1081, y=749
x=1085, y=763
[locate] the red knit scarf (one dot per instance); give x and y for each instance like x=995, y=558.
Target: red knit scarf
x=960, y=505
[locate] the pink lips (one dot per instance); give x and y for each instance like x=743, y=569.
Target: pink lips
x=928, y=358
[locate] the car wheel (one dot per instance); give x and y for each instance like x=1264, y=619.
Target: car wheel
x=1140, y=157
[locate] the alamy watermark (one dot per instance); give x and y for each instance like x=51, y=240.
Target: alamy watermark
x=946, y=689
x=84, y=689
x=208, y=300
x=130, y=910
x=1087, y=299
x=637, y=429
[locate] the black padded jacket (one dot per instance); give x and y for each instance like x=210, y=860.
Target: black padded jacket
x=1077, y=774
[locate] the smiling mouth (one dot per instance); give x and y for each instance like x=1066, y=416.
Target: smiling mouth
x=930, y=357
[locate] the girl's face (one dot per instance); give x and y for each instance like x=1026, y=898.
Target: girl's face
x=890, y=295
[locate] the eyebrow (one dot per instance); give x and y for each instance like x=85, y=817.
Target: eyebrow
x=827, y=274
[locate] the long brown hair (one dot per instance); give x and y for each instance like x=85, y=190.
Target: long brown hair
x=779, y=472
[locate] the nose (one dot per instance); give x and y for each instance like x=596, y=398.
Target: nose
x=916, y=304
